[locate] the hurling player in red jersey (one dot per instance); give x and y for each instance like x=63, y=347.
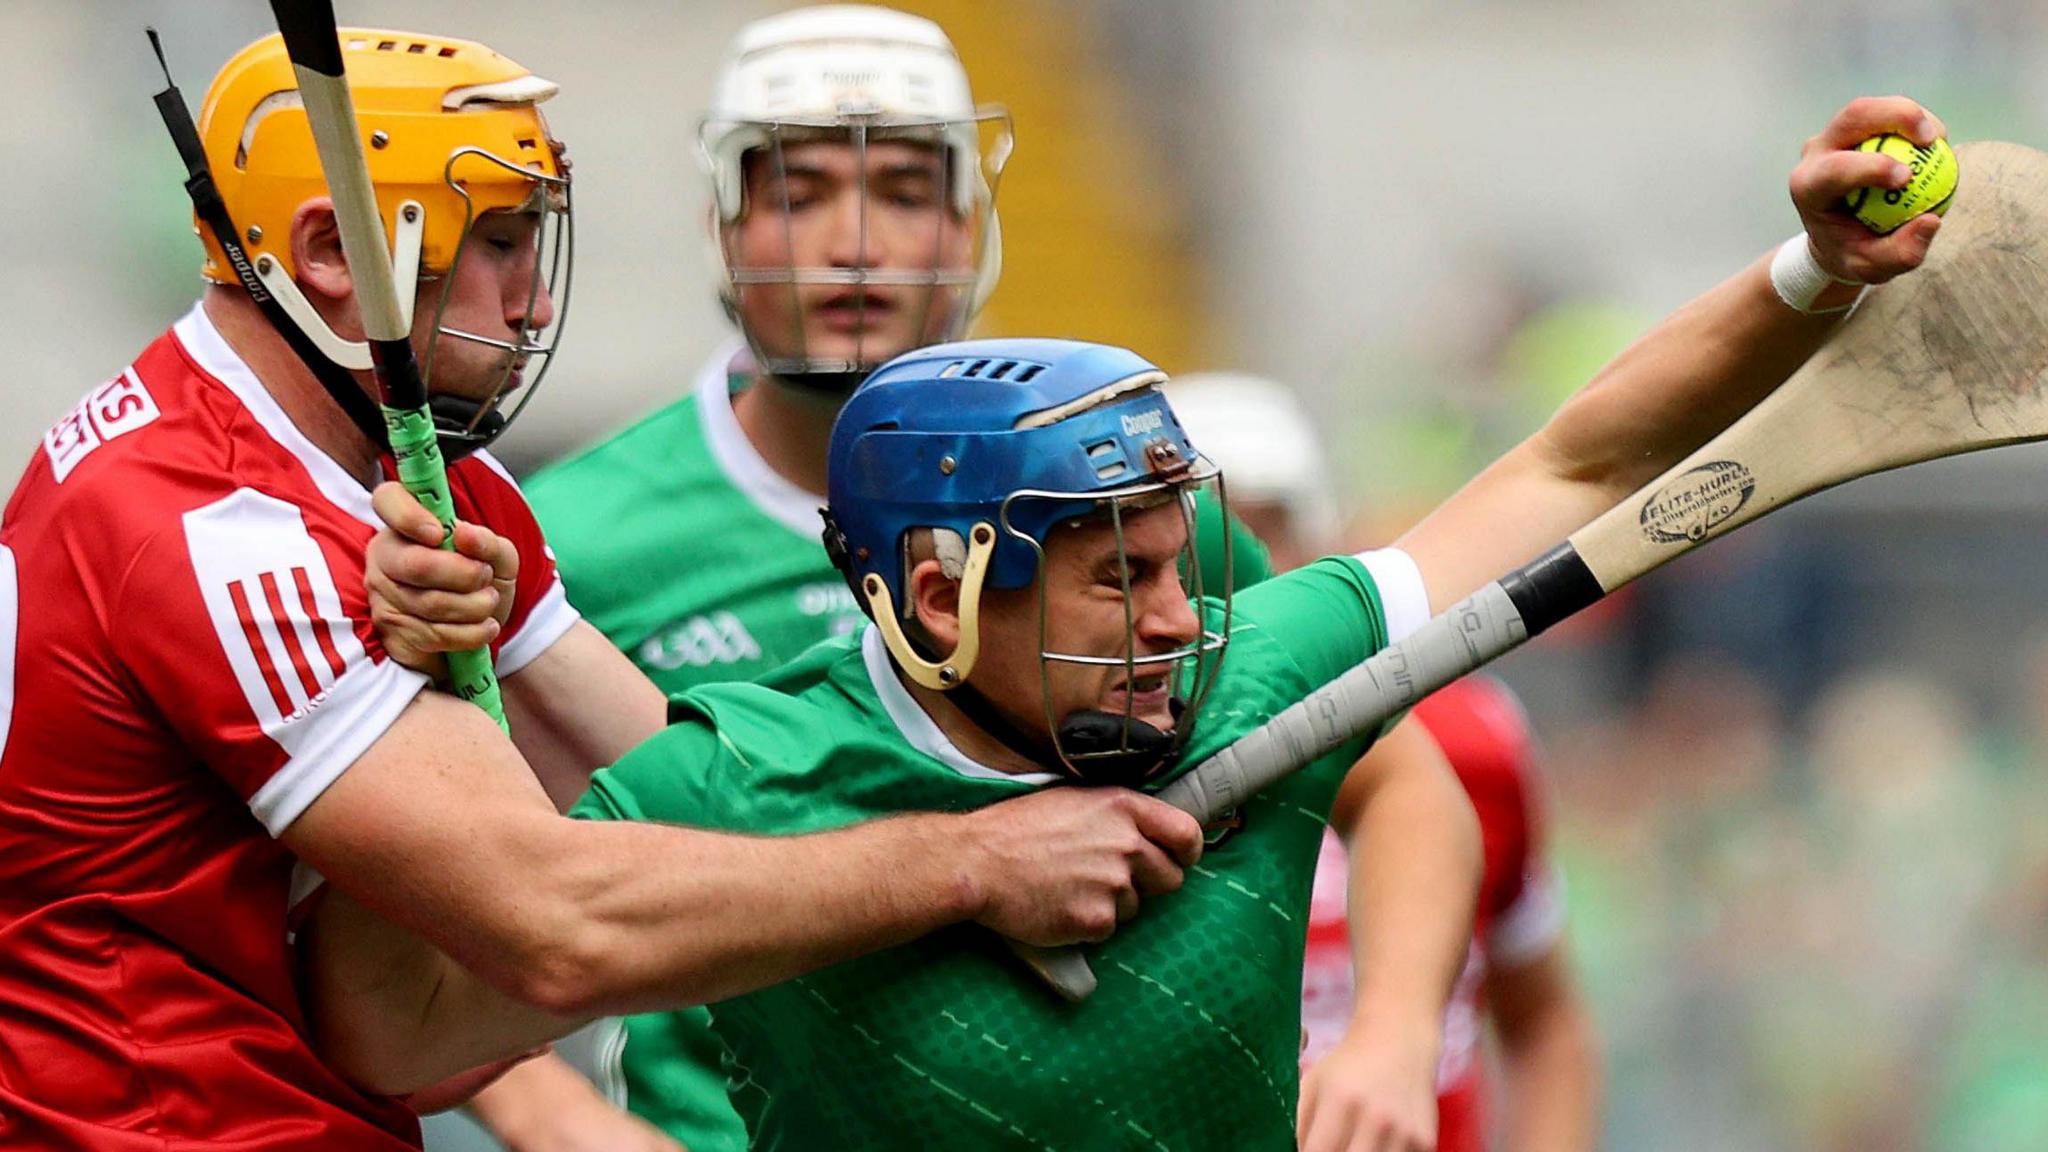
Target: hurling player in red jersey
x=1515, y=974
x=198, y=722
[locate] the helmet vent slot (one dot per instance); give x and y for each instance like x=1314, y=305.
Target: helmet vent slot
x=1108, y=459
x=1015, y=371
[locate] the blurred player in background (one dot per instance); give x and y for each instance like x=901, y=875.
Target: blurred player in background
x=1515, y=974
x=204, y=748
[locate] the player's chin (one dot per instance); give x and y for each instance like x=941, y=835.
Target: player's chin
x=863, y=344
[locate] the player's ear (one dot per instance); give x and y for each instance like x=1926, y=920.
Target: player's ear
x=316, y=253
x=935, y=603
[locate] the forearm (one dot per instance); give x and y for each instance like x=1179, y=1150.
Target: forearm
x=646, y=917
x=1550, y=1061
x=721, y=915
x=1553, y=1093
x=1414, y=878
x=1675, y=388
x=393, y=1014
x=1678, y=385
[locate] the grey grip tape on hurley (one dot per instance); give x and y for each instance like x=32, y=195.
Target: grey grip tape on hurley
x=1470, y=633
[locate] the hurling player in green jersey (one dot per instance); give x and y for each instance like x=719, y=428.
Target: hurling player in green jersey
x=787, y=754
x=940, y=706
x=852, y=180
x=740, y=459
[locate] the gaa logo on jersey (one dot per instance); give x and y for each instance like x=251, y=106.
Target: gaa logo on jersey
x=716, y=638
x=831, y=598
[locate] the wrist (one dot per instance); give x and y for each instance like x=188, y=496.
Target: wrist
x=1804, y=286
x=952, y=848
x=1412, y=1022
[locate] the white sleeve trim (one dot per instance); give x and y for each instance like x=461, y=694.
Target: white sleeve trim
x=549, y=621
x=1532, y=925
x=1402, y=595
x=361, y=706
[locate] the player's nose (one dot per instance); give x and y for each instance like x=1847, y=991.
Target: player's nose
x=528, y=303
x=851, y=242
x=1166, y=615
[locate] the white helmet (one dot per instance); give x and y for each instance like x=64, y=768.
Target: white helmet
x=1258, y=433
x=867, y=73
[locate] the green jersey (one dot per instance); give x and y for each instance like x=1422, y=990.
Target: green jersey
x=1191, y=1040
x=693, y=556
x=702, y=564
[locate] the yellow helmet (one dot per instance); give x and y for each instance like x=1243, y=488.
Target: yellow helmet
x=451, y=130
x=441, y=118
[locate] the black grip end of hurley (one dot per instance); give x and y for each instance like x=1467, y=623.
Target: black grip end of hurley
x=309, y=36
x=1551, y=587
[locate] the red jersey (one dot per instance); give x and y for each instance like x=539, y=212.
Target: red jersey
x=1520, y=916
x=186, y=663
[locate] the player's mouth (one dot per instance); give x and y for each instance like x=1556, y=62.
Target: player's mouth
x=1142, y=696
x=849, y=312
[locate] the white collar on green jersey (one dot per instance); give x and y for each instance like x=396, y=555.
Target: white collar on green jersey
x=777, y=498
x=918, y=728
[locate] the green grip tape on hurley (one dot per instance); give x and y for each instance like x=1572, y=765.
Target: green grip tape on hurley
x=418, y=455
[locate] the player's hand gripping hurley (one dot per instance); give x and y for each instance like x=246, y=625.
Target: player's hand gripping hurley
x=315, y=49
x=1951, y=359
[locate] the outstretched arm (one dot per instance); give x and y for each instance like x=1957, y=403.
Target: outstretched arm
x=1685, y=380
x=448, y=859
x=1414, y=849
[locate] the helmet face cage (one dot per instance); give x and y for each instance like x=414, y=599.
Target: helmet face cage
x=553, y=265
x=925, y=303
x=1192, y=668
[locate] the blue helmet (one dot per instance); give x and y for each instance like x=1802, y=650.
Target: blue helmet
x=995, y=442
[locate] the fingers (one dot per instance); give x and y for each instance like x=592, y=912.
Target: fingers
x=1910, y=243
x=1153, y=872
x=1126, y=905
x=1869, y=116
x=1826, y=179
x=1169, y=827
x=402, y=571
x=419, y=644
x=1831, y=174
x=480, y=543
x=1305, y=1110
x=405, y=514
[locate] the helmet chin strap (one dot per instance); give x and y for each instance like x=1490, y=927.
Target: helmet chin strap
x=836, y=385
x=459, y=427
x=1093, y=747
x=1112, y=748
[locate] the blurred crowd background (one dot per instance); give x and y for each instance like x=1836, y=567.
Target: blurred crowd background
x=1801, y=776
